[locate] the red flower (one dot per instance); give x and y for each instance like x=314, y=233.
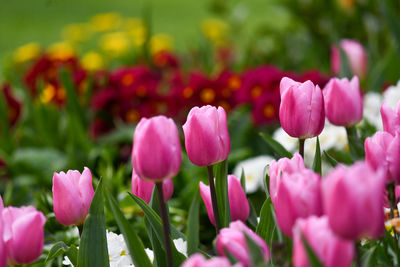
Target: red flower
x=13, y=106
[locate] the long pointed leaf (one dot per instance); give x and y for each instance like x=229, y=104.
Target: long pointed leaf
x=193, y=226
x=221, y=188
x=317, y=159
x=279, y=150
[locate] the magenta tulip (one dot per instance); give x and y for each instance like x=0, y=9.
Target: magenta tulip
x=298, y=196
x=233, y=240
x=198, y=260
x=238, y=203
x=156, y=153
x=343, y=101
x=23, y=234
x=284, y=165
x=356, y=57
x=391, y=118
x=353, y=200
x=206, y=135
x=382, y=151
x=72, y=195
x=331, y=250
x=301, y=112
x=144, y=189
x=3, y=253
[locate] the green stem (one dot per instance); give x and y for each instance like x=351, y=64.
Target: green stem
x=358, y=254
x=392, y=203
x=301, y=147
x=214, y=199
x=164, y=218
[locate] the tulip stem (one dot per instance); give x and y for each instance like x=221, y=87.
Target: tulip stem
x=80, y=229
x=301, y=147
x=164, y=218
x=358, y=255
x=392, y=203
x=214, y=198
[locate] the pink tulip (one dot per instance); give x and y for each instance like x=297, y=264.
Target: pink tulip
x=391, y=118
x=3, y=253
x=72, y=195
x=23, y=234
x=383, y=151
x=144, y=189
x=298, y=196
x=353, y=201
x=284, y=165
x=356, y=57
x=198, y=260
x=301, y=111
x=233, y=240
x=238, y=203
x=343, y=101
x=206, y=135
x=156, y=153
x=331, y=250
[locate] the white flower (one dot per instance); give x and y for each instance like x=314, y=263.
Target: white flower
x=181, y=246
x=118, y=252
x=291, y=144
x=253, y=170
x=392, y=95
x=372, y=106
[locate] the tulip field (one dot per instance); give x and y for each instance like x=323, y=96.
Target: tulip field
x=223, y=133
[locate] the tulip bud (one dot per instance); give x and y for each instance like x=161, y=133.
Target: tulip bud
x=198, y=260
x=72, y=195
x=301, y=112
x=391, y=118
x=343, y=101
x=144, y=189
x=23, y=234
x=156, y=153
x=382, y=151
x=284, y=165
x=331, y=250
x=206, y=135
x=233, y=240
x=298, y=196
x=238, y=203
x=356, y=57
x=353, y=201
x=3, y=254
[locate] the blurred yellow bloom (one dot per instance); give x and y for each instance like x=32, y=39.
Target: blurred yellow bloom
x=48, y=93
x=346, y=4
x=105, y=22
x=61, y=50
x=116, y=43
x=160, y=42
x=215, y=30
x=76, y=32
x=136, y=30
x=27, y=52
x=92, y=61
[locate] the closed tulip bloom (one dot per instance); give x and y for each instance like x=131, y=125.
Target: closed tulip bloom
x=23, y=234
x=144, y=189
x=330, y=249
x=353, y=201
x=383, y=151
x=3, y=254
x=343, y=101
x=301, y=112
x=156, y=153
x=198, y=260
x=238, y=203
x=72, y=195
x=298, y=196
x=233, y=240
x=283, y=165
x=391, y=118
x=356, y=57
x=206, y=135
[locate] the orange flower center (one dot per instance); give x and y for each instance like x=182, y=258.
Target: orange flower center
x=188, y=92
x=207, y=95
x=256, y=91
x=269, y=111
x=127, y=79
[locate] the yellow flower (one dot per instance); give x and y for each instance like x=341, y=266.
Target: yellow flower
x=76, y=32
x=105, y=22
x=346, y=5
x=92, y=61
x=136, y=30
x=61, y=50
x=215, y=30
x=115, y=43
x=27, y=52
x=160, y=42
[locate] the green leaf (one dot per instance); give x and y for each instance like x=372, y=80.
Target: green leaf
x=61, y=248
x=355, y=143
x=279, y=150
x=330, y=159
x=93, y=246
x=368, y=258
x=73, y=106
x=193, y=226
x=392, y=20
x=132, y=240
x=243, y=180
x=253, y=215
x=266, y=180
x=312, y=258
x=256, y=254
x=317, y=158
x=266, y=226
x=221, y=189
